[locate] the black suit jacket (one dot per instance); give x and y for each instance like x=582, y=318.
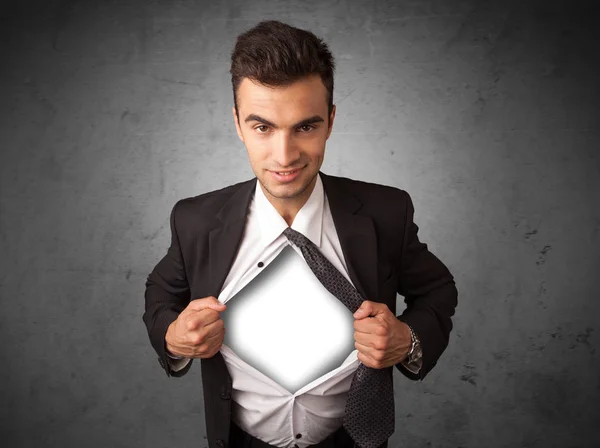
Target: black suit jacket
x=380, y=245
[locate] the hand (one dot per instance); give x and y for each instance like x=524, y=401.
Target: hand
x=198, y=331
x=382, y=340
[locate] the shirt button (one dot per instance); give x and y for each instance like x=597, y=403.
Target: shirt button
x=298, y=436
x=260, y=264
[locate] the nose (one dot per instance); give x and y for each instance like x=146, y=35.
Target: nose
x=284, y=151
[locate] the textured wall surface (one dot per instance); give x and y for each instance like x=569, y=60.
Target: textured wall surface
x=487, y=113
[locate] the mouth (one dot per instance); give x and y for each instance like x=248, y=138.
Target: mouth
x=285, y=176
x=285, y=173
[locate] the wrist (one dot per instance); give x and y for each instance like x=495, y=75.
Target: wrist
x=168, y=346
x=170, y=354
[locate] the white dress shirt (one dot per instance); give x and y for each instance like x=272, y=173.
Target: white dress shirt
x=261, y=406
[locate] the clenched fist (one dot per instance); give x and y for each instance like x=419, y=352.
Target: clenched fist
x=198, y=331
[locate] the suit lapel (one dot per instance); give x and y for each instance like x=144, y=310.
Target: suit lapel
x=357, y=237
x=224, y=241
x=355, y=232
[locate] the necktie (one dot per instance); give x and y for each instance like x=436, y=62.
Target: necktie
x=369, y=416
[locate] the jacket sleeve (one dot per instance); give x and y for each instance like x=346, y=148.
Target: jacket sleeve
x=430, y=295
x=167, y=294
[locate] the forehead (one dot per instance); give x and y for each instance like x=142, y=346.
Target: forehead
x=306, y=95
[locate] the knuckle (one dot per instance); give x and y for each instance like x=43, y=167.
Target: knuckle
x=196, y=339
x=381, y=331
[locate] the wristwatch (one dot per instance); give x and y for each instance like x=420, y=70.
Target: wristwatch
x=415, y=352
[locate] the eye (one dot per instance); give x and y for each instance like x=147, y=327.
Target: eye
x=310, y=127
x=261, y=126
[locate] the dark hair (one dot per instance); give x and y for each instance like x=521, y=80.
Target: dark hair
x=276, y=54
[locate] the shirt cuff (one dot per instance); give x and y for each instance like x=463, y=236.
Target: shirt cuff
x=414, y=366
x=171, y=355
x=178, y=364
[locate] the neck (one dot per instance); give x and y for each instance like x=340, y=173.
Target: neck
x=288, y=208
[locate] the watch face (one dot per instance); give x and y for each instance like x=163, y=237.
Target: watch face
x=415, y=349
x=417, y=353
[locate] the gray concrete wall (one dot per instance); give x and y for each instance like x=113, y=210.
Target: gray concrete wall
x=486, y=112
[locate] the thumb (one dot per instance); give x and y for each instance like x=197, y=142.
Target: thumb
x=364, y=310
x=206, y=302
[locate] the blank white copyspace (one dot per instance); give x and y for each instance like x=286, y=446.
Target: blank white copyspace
x=287, y=325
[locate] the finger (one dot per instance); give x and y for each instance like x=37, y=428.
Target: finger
x=366, y=340
x=198, y=336
x=370, y=326
x=206, y=302
x=374, y=355
x=213, y=330
x=219, y=332
x=366, y=359
x=362, y=348
x=364, y=310
x=370, y=309
x=198, y=319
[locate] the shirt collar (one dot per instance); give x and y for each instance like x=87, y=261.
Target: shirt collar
x=308, y=220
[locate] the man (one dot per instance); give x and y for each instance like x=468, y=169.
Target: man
x=283, y=112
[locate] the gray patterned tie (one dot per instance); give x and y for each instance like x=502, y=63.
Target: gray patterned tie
x=369, y=416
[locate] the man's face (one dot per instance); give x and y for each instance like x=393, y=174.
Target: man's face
x=284, y=129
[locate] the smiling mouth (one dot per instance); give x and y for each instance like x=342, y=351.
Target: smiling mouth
x=286, y=173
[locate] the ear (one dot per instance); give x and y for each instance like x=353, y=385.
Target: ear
x=237, y=124
x=331, y=118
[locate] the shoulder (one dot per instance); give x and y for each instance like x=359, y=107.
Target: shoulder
x=389, y=208
x=209, y=203
x=372, y=195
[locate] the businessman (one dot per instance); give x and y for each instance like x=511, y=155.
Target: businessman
x=362, y=234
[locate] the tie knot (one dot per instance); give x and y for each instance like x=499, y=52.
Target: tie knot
x=295, y=237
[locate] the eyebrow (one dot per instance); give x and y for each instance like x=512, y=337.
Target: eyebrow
x=311, y=120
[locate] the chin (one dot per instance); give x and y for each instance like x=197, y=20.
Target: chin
x=286, y=191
